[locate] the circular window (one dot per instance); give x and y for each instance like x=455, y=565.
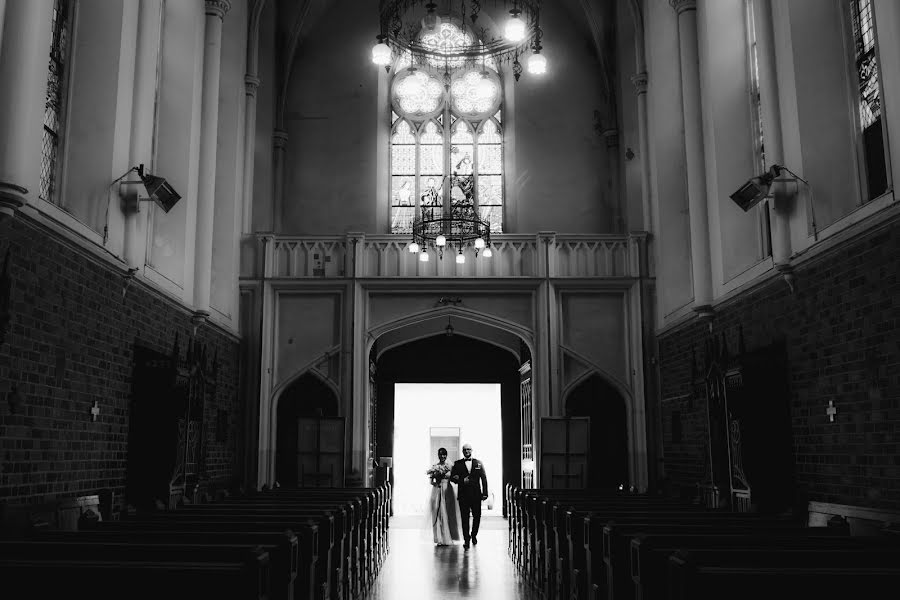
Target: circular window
x=475, y=93
x=417, y=94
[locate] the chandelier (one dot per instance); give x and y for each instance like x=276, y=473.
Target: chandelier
x=455, y=229
x=413, y=29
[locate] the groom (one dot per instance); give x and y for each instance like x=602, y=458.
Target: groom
x=468, y=474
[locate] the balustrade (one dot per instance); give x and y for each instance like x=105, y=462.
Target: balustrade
x=514, y=256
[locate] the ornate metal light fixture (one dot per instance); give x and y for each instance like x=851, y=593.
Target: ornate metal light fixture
x=414, y=27
x=457, y=229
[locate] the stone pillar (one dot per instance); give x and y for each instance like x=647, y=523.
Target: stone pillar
x=209, y=124
x=611, y=136
x=24, y=57
x=142, y=117
x=694, y=154
x=251, y=85
x=785, y=195
x=639, y=80
x=2, y=13
x=279, y=139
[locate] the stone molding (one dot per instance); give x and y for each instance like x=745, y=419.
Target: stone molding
x=681, y=6
x=639, y=81
x=217, y=8
x=251, y=84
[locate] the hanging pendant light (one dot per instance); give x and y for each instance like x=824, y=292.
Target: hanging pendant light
x=431, y=22
x=537, y=63
x=381, y=53
x=515, y=26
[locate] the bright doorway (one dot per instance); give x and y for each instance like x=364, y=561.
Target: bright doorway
x=442, y=411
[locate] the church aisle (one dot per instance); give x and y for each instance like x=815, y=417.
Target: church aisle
x=416, y=568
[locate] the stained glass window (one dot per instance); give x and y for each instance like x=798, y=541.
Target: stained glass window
x=53, y=106
x=869, y=90
x=446, y=135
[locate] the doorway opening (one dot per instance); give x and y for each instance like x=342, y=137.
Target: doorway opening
x=433, y=415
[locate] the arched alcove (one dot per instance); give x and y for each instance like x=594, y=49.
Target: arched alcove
x=596, y=398
x=307, y=396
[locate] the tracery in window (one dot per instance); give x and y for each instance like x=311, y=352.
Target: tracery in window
x=446, y=134
x=53, y=106
x=869, y=90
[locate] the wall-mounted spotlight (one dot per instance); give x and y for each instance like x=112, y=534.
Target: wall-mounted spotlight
x=756, y=189
x=158, y=189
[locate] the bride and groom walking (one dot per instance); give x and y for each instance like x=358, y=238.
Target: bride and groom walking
x=450, y=510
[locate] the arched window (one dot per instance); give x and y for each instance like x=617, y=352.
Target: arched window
x=446, y=133
x=60, y=47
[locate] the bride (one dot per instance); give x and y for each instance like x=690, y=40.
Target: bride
x=445, y=517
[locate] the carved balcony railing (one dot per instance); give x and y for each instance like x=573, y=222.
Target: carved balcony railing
x=542, y=255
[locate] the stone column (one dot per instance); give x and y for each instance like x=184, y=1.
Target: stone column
x=694, y=154
x=785, y=195
x=2, y=13
x=24, y=58
x=142, y=117
x=279, y=139
x=639, y=80
x=251, y=85
x=209, y=123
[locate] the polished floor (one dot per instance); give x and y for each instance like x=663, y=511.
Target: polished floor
x=416, y=568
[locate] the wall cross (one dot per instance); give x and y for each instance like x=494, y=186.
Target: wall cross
x=831, y=410
x=95, y=411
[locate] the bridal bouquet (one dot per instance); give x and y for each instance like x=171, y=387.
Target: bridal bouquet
x=437, y=472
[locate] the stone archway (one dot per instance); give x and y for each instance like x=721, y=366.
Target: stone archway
x=307, y=396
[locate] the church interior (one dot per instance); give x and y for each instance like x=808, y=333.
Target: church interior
x=665, y=230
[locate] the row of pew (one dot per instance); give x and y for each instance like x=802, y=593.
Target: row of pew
x=574, y=545
x=282, y=544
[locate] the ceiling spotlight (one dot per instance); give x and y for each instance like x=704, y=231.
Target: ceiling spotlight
x=757, y=188
x=157, y=189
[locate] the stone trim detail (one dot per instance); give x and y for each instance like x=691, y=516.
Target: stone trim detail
x=217, y=8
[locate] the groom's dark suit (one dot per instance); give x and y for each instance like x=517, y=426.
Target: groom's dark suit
x=470, y=494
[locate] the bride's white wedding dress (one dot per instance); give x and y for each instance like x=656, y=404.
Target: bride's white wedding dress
x=445, y=517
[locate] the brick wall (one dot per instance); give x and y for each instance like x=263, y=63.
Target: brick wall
x=70, y=343
x=841, y=327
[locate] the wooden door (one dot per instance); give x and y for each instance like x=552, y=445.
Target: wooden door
x=565, y=449
x=320, y=452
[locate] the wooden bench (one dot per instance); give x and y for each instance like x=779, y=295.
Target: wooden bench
x=129, y=576
x=650, y=552
x=752, y=574
x=283, y=547
x=308, y=584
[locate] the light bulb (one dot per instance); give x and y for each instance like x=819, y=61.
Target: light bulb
x=381, y=54
x=460, y=258
x=537, y=64
x=515, y=27
x=487, y=253
x=440, y=240
x=413, y=248
x=479, y=243
x=423, y=257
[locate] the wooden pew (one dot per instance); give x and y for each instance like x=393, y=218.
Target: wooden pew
x=307, y=585
x=282, y=547
x=329, y=518
x=372, y=523
x=650, y=552
x=129, y=576
x=752, y=574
